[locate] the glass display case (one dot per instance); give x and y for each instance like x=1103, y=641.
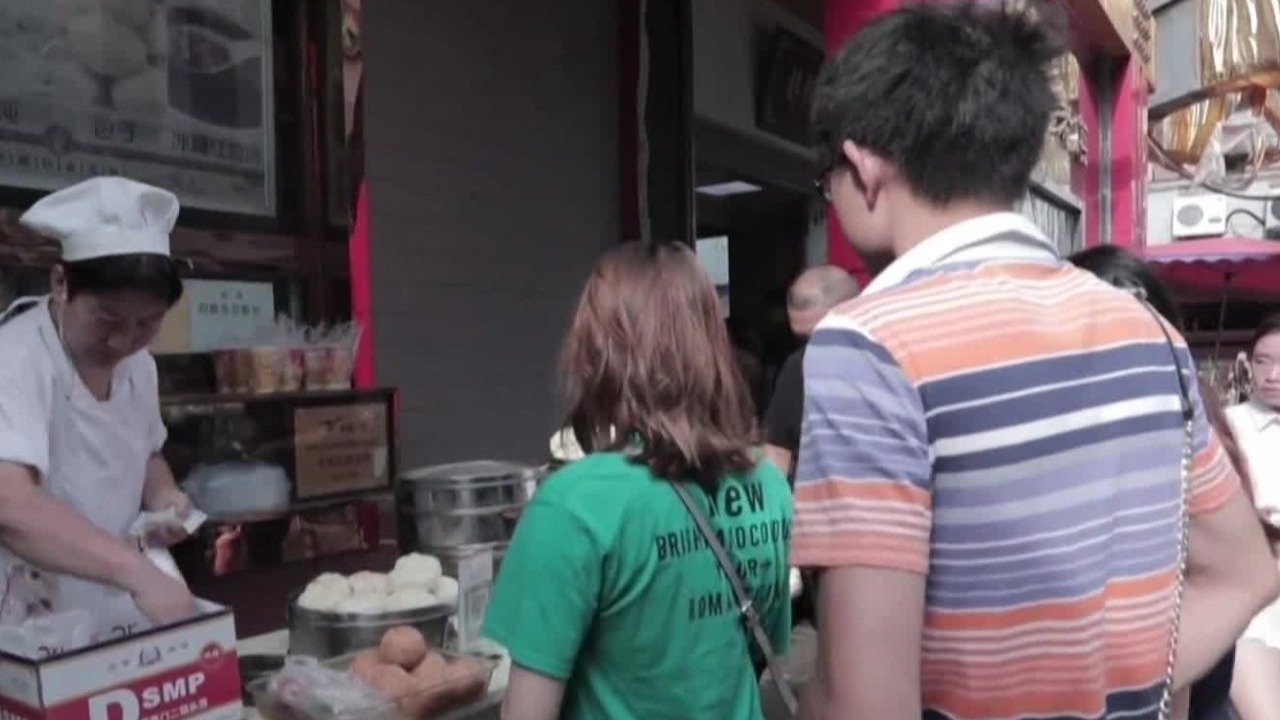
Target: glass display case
x=284, y=477
x=311, y=448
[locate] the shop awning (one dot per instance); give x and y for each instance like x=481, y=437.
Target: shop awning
x=1214, y=268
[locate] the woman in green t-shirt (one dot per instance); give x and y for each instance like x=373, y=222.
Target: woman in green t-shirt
x=609, y=601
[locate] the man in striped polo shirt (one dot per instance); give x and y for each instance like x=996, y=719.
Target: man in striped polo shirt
x=989, y=478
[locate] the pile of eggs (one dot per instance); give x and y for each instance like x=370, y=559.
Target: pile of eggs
x=417, y=582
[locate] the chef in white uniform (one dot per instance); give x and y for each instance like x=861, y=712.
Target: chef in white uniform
x=1255, y=689
x=80, y=427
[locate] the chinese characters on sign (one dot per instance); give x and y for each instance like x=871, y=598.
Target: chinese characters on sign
x=231, y=304
x=176, y=93
x=340, y=449
x=224, y=312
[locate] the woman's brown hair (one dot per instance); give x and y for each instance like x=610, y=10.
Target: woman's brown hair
x=648, y=367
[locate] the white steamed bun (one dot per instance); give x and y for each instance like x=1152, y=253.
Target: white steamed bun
x=323, y=598
x=447, y=590
x=105, y=46
x=332, y=579
x=364, y=604
x=414, y=598
x=416, y=570
x=370, y=583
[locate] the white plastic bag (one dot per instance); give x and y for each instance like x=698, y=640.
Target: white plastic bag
x=47, y=635
x=147, y=523
x=307, y=690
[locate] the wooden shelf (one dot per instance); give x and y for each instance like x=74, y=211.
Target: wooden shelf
x=295, y=396
x=302, y=506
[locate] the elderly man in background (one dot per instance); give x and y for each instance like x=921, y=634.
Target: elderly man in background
x=812, y=295
x=815, y=292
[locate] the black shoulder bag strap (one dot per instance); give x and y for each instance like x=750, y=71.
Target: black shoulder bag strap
x=746, y=606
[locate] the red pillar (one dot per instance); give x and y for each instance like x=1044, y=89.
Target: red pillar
x=1086, y=179
x=1127, y=118
x=843, y=19
x=362, y=288
x=1129, y=158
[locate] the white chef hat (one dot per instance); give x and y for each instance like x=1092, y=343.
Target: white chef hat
x=106, y=216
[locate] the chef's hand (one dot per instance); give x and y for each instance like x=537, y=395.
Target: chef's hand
x=161, y=598
x=166, y=535
x=169, y=497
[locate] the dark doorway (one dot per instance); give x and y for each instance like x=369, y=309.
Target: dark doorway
x=766, y=229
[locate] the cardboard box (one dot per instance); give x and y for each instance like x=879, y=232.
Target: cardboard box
x=187, y=671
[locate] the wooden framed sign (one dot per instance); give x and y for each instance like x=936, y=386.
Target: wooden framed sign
x=340, y=449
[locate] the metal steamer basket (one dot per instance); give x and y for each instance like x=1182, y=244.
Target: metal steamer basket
x=451, y=556
x=470, y=505
x=324, y=635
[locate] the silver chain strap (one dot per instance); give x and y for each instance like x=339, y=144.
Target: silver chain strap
x=1188, y=449
x=1184, y=519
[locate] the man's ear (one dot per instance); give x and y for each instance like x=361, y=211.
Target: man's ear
x=870, y=171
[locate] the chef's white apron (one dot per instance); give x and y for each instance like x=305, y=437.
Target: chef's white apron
x=98, y=454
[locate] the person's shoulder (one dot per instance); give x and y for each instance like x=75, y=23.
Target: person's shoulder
x=141, y=366
x=889, y=311
x=22, y=350
x=597, y=475
x=1237, y=410
x=600, y=494
x=23, y=324
x=762, y=488
x=768, y=475
x=1240, y=412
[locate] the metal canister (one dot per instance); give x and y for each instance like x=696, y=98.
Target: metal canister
x=461, y=504
x=330, y=634
x=450, y=557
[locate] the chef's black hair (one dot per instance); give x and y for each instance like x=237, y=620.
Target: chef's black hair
x=956, y=95
x=146, y=273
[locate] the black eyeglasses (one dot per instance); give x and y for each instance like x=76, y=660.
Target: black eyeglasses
x=822, y=183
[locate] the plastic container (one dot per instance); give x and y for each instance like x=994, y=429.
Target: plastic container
x=315, y=368
x=271, y=708
x=238, y=488
x=233, y=371
x=268, y=365
x=294, y=370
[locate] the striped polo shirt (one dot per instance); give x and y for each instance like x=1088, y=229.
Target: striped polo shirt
x=1011, y=427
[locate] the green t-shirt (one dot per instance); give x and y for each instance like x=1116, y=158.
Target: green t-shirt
x=608, y=586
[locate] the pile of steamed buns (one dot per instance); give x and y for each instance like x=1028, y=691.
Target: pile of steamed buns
x=416, y=582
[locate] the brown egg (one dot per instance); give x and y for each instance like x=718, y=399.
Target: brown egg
x=363, y=665
x=429, y=695
x=422, y=704
x=391, y=681
x=466, y=681
x=431, y=670
x=403, y=646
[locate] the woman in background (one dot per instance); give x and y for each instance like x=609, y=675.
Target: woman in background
x=611, y=605
x=1212, y=696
